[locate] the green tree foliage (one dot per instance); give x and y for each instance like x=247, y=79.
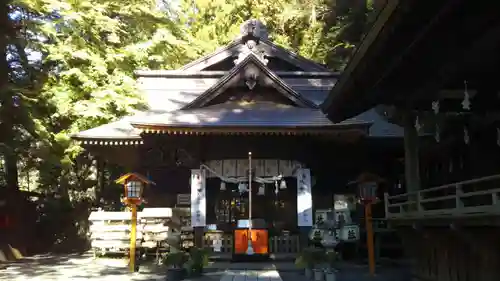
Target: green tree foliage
x=325, y=31
x=67, y=66
x=88, y=50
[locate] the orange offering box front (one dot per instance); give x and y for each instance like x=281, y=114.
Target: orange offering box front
x=259, y=241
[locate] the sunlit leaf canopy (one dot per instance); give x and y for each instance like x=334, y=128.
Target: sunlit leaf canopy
x=69, y=65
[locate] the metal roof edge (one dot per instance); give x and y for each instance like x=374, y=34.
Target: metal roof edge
x=218, y=74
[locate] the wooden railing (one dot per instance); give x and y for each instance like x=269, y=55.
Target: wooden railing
x=479, y=196
x=277, y=245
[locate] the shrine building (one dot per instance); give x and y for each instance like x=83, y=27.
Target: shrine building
x=251, y=96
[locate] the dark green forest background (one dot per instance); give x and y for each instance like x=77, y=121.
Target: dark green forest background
x=67, y=66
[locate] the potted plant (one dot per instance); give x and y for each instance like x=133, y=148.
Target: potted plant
x=332, y=257
x=318, y=259
x=198, y=259
x=175, y=262
x=310, y=260
x=305, y=261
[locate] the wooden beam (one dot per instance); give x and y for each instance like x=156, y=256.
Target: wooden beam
x=462, y=53
x=408, y=25
x=455, y=106
x=412, y=171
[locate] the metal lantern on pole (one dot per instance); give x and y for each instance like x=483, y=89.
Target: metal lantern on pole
x=133, y=187
x=367, y=190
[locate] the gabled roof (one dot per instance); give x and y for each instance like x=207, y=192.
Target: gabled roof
x=271, y=50
x=180, y=101
x=239, y=73
x=253, y=30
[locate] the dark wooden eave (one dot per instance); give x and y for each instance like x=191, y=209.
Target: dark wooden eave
x=414, y=50
x=349, y=129
x=251, y=64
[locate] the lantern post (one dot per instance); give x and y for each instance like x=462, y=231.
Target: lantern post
x=250, y=250
x=367, y=185
x=133, y=186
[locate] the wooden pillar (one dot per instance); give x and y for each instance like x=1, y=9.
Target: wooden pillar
x=419, y=252
x=443, y=259
x=455, y=253
x=478, y=253
x=494, y=261
x=101, y=166
x=412, y=169
x=429, y=259
x=488, y=262
x=412, y=244
x=462, y=258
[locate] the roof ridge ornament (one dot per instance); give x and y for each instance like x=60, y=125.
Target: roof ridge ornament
x=251, y=32
x=248, y=49
x=254, y=29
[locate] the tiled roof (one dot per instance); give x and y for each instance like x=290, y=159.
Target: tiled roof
x=259, y=114
x=119, y=130
x=167, y=92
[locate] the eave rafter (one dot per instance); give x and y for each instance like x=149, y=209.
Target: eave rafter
x=150, y=129
x=110, y=142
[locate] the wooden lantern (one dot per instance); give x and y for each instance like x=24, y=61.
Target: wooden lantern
x=133, y=184
x=367, y=187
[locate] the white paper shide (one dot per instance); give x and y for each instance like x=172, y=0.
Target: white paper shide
x=304, y=198
x=198, y=198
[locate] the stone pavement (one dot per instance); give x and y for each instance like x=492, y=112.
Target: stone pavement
x=251, y=275
x=286, y=271
x=84, y=267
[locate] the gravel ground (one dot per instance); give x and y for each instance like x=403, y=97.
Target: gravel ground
x=72, y=267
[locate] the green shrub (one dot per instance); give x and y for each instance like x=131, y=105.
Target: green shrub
x=175, y=260
x=310, y=256
x=198, y=260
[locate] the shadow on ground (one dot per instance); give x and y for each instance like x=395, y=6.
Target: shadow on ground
x=84, y=267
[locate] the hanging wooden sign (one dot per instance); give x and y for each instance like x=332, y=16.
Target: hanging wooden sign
x=304, y=198
x=198, y=198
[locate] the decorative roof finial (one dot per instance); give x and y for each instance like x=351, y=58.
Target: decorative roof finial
x=255, y=29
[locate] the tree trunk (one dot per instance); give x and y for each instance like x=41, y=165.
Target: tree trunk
x=7, y=108
x=15, y=234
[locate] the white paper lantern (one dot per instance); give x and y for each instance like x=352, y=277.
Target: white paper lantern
x=262, y=190
x=242, y=187
x=283, y=184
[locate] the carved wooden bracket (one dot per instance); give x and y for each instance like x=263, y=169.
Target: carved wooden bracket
x=251, y=81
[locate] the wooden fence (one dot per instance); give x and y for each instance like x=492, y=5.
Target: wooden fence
x=277, y=245
x=466, y=198
x=110, y=231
